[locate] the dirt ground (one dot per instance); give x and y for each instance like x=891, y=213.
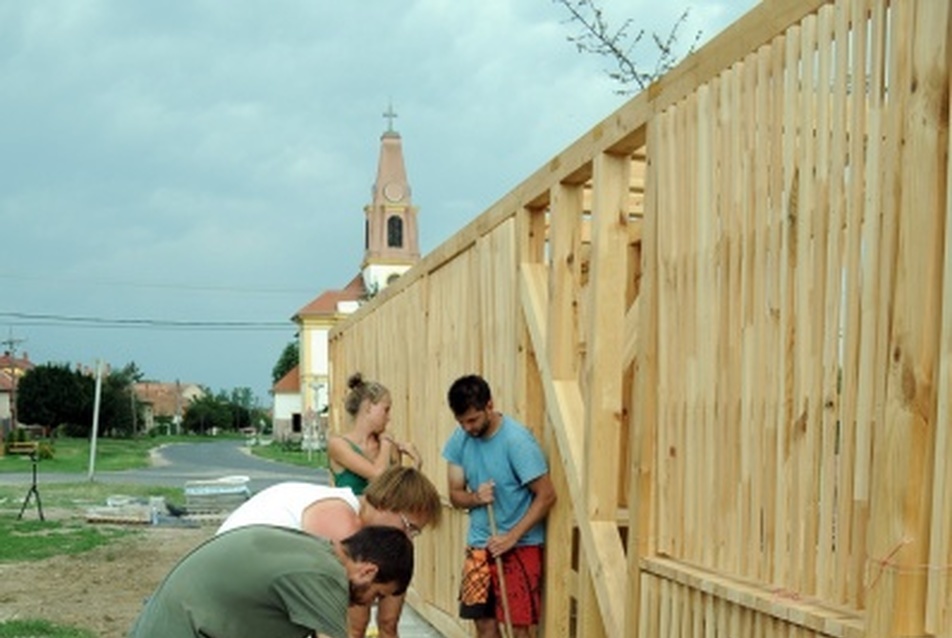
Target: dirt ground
x=101, y=590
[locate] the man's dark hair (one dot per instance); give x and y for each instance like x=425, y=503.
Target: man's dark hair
x=386, y=547
x=470, y=391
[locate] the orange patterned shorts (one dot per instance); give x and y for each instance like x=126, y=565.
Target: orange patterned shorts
x=479, y=597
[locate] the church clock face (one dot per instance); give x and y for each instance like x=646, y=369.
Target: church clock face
x=393, y=192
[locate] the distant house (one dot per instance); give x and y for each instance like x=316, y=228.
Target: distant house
x=287, y=406
x=12, y=369
x=165, y=402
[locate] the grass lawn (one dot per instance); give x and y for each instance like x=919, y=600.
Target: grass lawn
x=40, y=629
x=72, y=455
x=291, y=454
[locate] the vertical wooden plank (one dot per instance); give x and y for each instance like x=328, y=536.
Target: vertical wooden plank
x=784, y=559
x=902, y=462
x=826, y=311
x=604, y=401
x=772, y=346
x=938, y=607
x=856, y=106
x=558, y=576
x=734, y=168
x=704, y=289
x=805, y=427
x=643, y=432
x=757, y=370
x=871, y=377
x=561, y=351
x=835, y=454
x=565, y=221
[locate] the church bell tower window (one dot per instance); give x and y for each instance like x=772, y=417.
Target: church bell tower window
x=394, y=232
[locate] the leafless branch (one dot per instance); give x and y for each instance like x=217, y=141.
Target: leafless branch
x=619, y=45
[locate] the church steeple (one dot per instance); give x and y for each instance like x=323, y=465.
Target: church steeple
x=391, y=244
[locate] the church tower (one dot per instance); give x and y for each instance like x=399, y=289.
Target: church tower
x=391, y=245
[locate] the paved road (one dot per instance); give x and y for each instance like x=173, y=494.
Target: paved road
x=176, y=463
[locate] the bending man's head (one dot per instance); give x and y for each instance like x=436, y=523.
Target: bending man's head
x=381, y=563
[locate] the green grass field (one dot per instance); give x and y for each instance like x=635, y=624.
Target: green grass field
x=72, y=455
x=40, y=629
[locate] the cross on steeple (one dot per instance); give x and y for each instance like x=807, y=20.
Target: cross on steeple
x=390, y=115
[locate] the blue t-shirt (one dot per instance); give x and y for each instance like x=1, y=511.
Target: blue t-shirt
x=513, y=459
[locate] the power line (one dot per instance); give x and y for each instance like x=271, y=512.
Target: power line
x=36, y=319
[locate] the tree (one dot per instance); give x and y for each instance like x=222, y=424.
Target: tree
x=118, y=405
x=52, y=395
x=288, y=360
x=598, y=37
x=207, y=412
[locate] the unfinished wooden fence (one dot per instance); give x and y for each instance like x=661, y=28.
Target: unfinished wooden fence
x=726, y=310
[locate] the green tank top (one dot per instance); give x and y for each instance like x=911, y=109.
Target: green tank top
x=346, y=478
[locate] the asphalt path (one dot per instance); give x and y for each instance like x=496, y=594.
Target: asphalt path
x=176, y=463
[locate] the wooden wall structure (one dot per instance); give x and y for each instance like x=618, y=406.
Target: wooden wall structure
x=726, y=311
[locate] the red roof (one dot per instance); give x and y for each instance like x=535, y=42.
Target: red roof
x=167, y=399
x=289, y=383
x=326, y=303
x=12, y=365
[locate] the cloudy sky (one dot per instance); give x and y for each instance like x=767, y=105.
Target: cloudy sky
x=167, y=167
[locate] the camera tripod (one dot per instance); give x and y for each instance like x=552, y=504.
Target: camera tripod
x=33, y=491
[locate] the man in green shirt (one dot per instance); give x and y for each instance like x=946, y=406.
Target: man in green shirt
x=271, y=581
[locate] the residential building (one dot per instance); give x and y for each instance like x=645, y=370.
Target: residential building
x=12, y=369
x=164, y=402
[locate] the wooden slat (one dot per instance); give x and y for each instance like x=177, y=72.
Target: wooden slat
x=938, y=607
x=899, y=520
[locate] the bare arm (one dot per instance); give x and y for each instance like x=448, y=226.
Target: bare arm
x=542, y=501
x=342, y=454
x=460, y=495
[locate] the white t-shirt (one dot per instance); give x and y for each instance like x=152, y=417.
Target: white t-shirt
x=283, y=505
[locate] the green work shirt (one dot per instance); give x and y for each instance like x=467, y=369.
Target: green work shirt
x=251, y=582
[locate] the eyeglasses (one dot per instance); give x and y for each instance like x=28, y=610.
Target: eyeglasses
x=411, y=530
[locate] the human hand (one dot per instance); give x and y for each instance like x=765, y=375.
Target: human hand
x=500, y=544
x=484, y=493
x=411, y=450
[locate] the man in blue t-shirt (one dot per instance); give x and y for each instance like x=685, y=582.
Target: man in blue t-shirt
x=498, y=472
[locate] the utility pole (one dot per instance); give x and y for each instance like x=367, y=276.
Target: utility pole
x=95, y=429
x=10, y=345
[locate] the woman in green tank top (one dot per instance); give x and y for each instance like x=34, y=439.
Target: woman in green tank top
x=362, y=453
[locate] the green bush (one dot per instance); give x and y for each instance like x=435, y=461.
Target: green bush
x=45, y=450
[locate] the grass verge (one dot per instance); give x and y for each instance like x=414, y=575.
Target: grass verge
x=291, y=454
x=40, y=629
x=72, y=455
